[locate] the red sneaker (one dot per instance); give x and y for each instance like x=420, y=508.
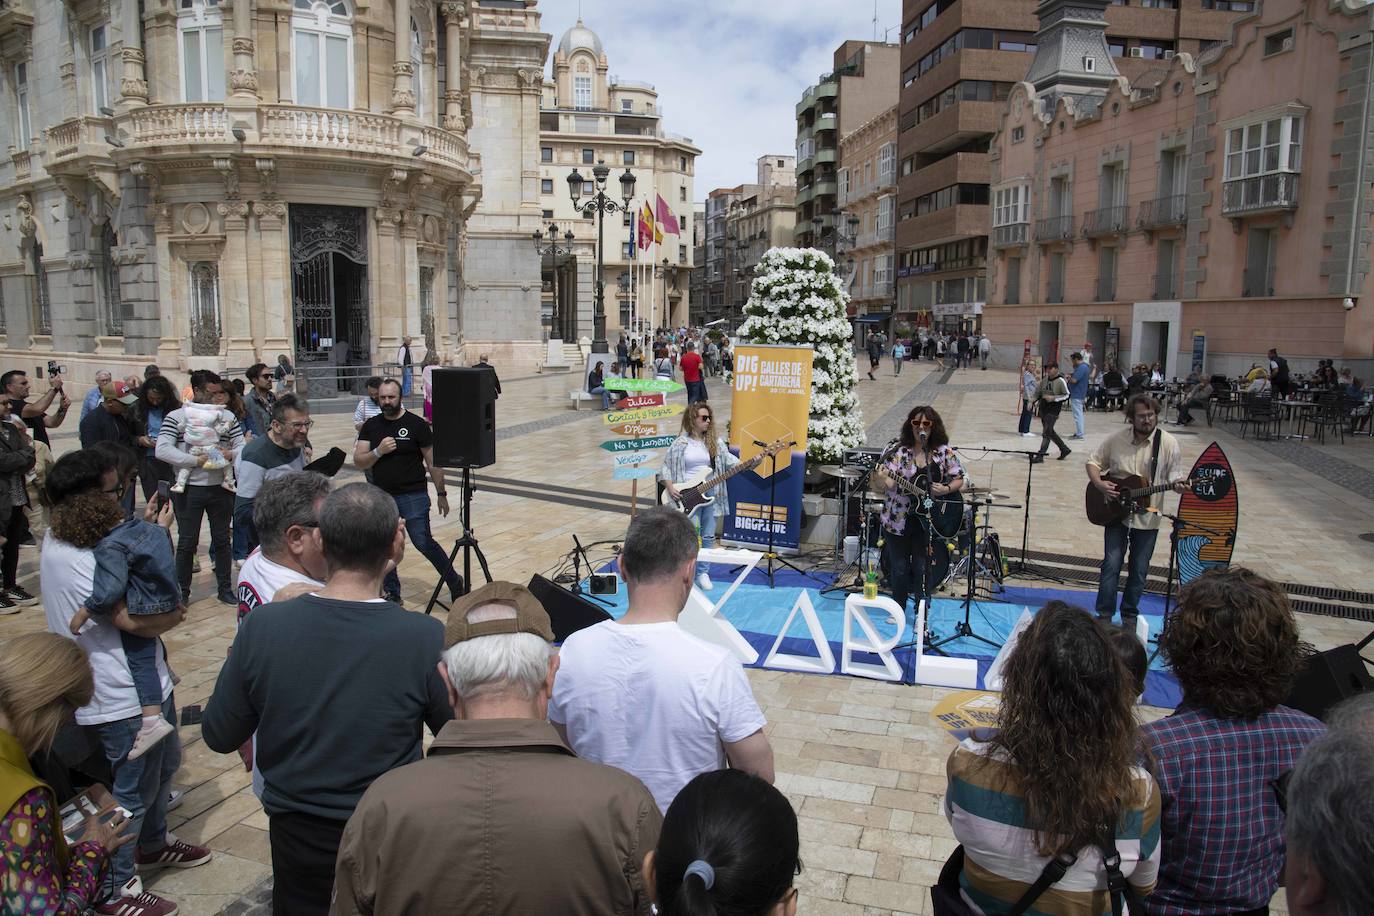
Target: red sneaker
x=130, y=900
x=176, y=854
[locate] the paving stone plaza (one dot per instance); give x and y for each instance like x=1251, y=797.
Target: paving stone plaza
x=861, y=761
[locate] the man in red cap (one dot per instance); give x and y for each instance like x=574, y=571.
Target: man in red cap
x=110, y=421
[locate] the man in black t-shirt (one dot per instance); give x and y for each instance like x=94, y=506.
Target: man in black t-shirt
x=15, y=383
x=397, y=446
x=1278, y=374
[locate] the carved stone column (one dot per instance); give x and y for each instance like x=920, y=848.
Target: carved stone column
x=452, y=11
x=386, y=323
x=243, y=79
x=403, y=87
x=233, y=284
x=275, y=279
x=133, y=84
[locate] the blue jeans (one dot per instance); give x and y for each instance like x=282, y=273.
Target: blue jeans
x=414, y=508
x=406, y=382
x=605, y=397
x=1076, y=404
x=1025, y=425
x=141, y=786
x=1116, y=538
x=245, y=535
x=706, y=524
x=696, y=391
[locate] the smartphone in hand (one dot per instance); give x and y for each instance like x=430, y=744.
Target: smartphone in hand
x=164, y=492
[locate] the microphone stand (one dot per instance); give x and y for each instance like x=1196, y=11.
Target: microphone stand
x=579, y=551
x=1175, y=529
x=1023, y=565
x=774, y=559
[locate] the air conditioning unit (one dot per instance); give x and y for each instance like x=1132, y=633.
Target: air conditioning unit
x=1168, y=55
x=1137, y=52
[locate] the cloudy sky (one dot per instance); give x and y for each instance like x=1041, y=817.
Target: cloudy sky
x=729, y=73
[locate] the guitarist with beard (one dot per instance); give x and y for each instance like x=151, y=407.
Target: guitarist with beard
x=698, y=448
x=916, y=555
x=1149, y=452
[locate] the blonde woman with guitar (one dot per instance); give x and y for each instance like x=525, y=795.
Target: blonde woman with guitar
x=698, y=448
x=922, y=509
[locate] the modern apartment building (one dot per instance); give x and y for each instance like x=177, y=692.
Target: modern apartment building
x=586, y=118
x=860, y=87
x=1214, y=207
x=868, y=199
x=960, y=59
x=742, y=223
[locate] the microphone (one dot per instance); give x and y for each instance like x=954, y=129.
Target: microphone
x=923, y=434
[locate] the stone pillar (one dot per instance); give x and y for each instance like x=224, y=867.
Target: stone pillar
x=133, y=86
x=403, y=89
x=233, y=285
x=386, y=323
x=275, y=281
x=243, y=79
x=453, y=66
x=409, y=288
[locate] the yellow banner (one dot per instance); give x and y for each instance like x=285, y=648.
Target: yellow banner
x=772, y=400
x=614, y=417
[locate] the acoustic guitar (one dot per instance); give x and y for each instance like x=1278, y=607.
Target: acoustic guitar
x=1134, y=494
x=692, y=493
x=946, y=513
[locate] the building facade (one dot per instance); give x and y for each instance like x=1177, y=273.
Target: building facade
x=1140, y=216
x=586, y=118
x=959, y=61
x=859, y=88
x=696, y=295
x=741, y=224
x=723, y=253
x=204, y=186
x=867, y=197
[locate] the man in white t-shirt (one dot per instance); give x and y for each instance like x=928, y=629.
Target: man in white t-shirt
x=288, y=561
x=642, y=694
x=76, y=484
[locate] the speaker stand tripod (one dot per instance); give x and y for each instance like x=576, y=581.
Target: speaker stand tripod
x=467, y=543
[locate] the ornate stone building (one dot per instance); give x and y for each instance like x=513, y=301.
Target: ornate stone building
x=206, y=183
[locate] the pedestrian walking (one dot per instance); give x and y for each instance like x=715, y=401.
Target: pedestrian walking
x=898, y=354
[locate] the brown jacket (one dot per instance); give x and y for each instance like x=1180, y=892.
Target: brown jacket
x=500, y=818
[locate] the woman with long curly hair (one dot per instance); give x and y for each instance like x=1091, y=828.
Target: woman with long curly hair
x=1234, y=647
x=915, y=537
x=699, y=447
x=1059, y=778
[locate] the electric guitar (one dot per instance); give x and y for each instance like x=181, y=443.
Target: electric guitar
x=1133, y=496
x=691, y=492
x=946, y=513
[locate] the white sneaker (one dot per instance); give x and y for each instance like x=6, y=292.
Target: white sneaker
x=704, y=582
x=150, y=734
x=1029, y=435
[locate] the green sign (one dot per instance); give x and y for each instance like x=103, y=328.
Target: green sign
x=642, y=384
x=635, y=445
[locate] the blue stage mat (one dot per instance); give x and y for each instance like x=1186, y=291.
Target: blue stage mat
x=759, y=612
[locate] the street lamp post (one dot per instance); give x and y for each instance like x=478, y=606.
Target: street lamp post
x=600, y=204
x=554, y=249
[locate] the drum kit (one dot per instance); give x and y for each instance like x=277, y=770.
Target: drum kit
x=975, y=549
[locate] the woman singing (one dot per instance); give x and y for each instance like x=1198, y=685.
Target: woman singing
x=924, y=449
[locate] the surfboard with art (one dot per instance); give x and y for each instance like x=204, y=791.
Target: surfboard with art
x=1211, y=504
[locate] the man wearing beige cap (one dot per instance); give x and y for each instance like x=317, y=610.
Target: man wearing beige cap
x=501, y=817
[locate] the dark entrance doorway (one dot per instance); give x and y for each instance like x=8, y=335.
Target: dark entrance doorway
x=330, y=312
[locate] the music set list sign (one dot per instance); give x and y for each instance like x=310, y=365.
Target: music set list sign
x=637, y=415
x=771, y=401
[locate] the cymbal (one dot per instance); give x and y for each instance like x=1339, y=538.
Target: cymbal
x=835, y=470
x=983, y=495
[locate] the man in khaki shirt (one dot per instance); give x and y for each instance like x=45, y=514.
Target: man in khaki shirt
x=1129, y=452
x=501, y=817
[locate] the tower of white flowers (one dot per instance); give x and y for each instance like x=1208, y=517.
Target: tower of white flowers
x=796, y=298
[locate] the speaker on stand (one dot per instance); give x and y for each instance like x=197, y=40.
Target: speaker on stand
x=464, y=408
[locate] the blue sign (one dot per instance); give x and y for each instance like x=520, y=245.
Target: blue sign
x=751, y=513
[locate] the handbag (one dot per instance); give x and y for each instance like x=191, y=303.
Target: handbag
x=948, y=900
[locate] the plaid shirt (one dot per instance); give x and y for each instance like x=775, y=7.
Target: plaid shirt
x=1223, y=830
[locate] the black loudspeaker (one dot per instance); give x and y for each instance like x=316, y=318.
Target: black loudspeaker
x=1328, y=678
x=567, y=612
x=464, y=403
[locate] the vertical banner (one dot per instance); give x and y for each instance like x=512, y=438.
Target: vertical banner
x=772, y=400
x=1199, y=351
x=1112, y=355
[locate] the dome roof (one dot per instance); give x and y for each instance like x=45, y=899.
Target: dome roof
x=579, y=37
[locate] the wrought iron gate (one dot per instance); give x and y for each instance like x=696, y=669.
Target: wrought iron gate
x=329, y=282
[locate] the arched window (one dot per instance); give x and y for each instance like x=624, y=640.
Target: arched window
x=205, y=309
x=417, y=61
x=200, y=34
x=322, y=53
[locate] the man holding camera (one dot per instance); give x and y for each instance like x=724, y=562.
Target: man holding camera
x=15, y=384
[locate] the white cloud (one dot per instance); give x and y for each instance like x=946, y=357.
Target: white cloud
x=729, y=73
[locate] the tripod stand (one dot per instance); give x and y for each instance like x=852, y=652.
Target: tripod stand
x=774, y=559
x=963, y=628
x=856, y=569
x=467, y=543
x=1175, y=528
x=1022, y=566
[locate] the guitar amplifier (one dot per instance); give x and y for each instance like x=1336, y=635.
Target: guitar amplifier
x=864, y=458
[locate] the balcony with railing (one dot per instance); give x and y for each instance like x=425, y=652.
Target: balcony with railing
x=1054, y=228
x=1010, y=236
x=1271, y=193
x=76, y=139
x=1257, y=283
x=1106, y=289
x=1165, y=286
x=1105, y=221
x=23, y=165
x=1163, y=211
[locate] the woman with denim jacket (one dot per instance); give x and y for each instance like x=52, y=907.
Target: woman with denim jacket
x=135, y=564
x=698, y=448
